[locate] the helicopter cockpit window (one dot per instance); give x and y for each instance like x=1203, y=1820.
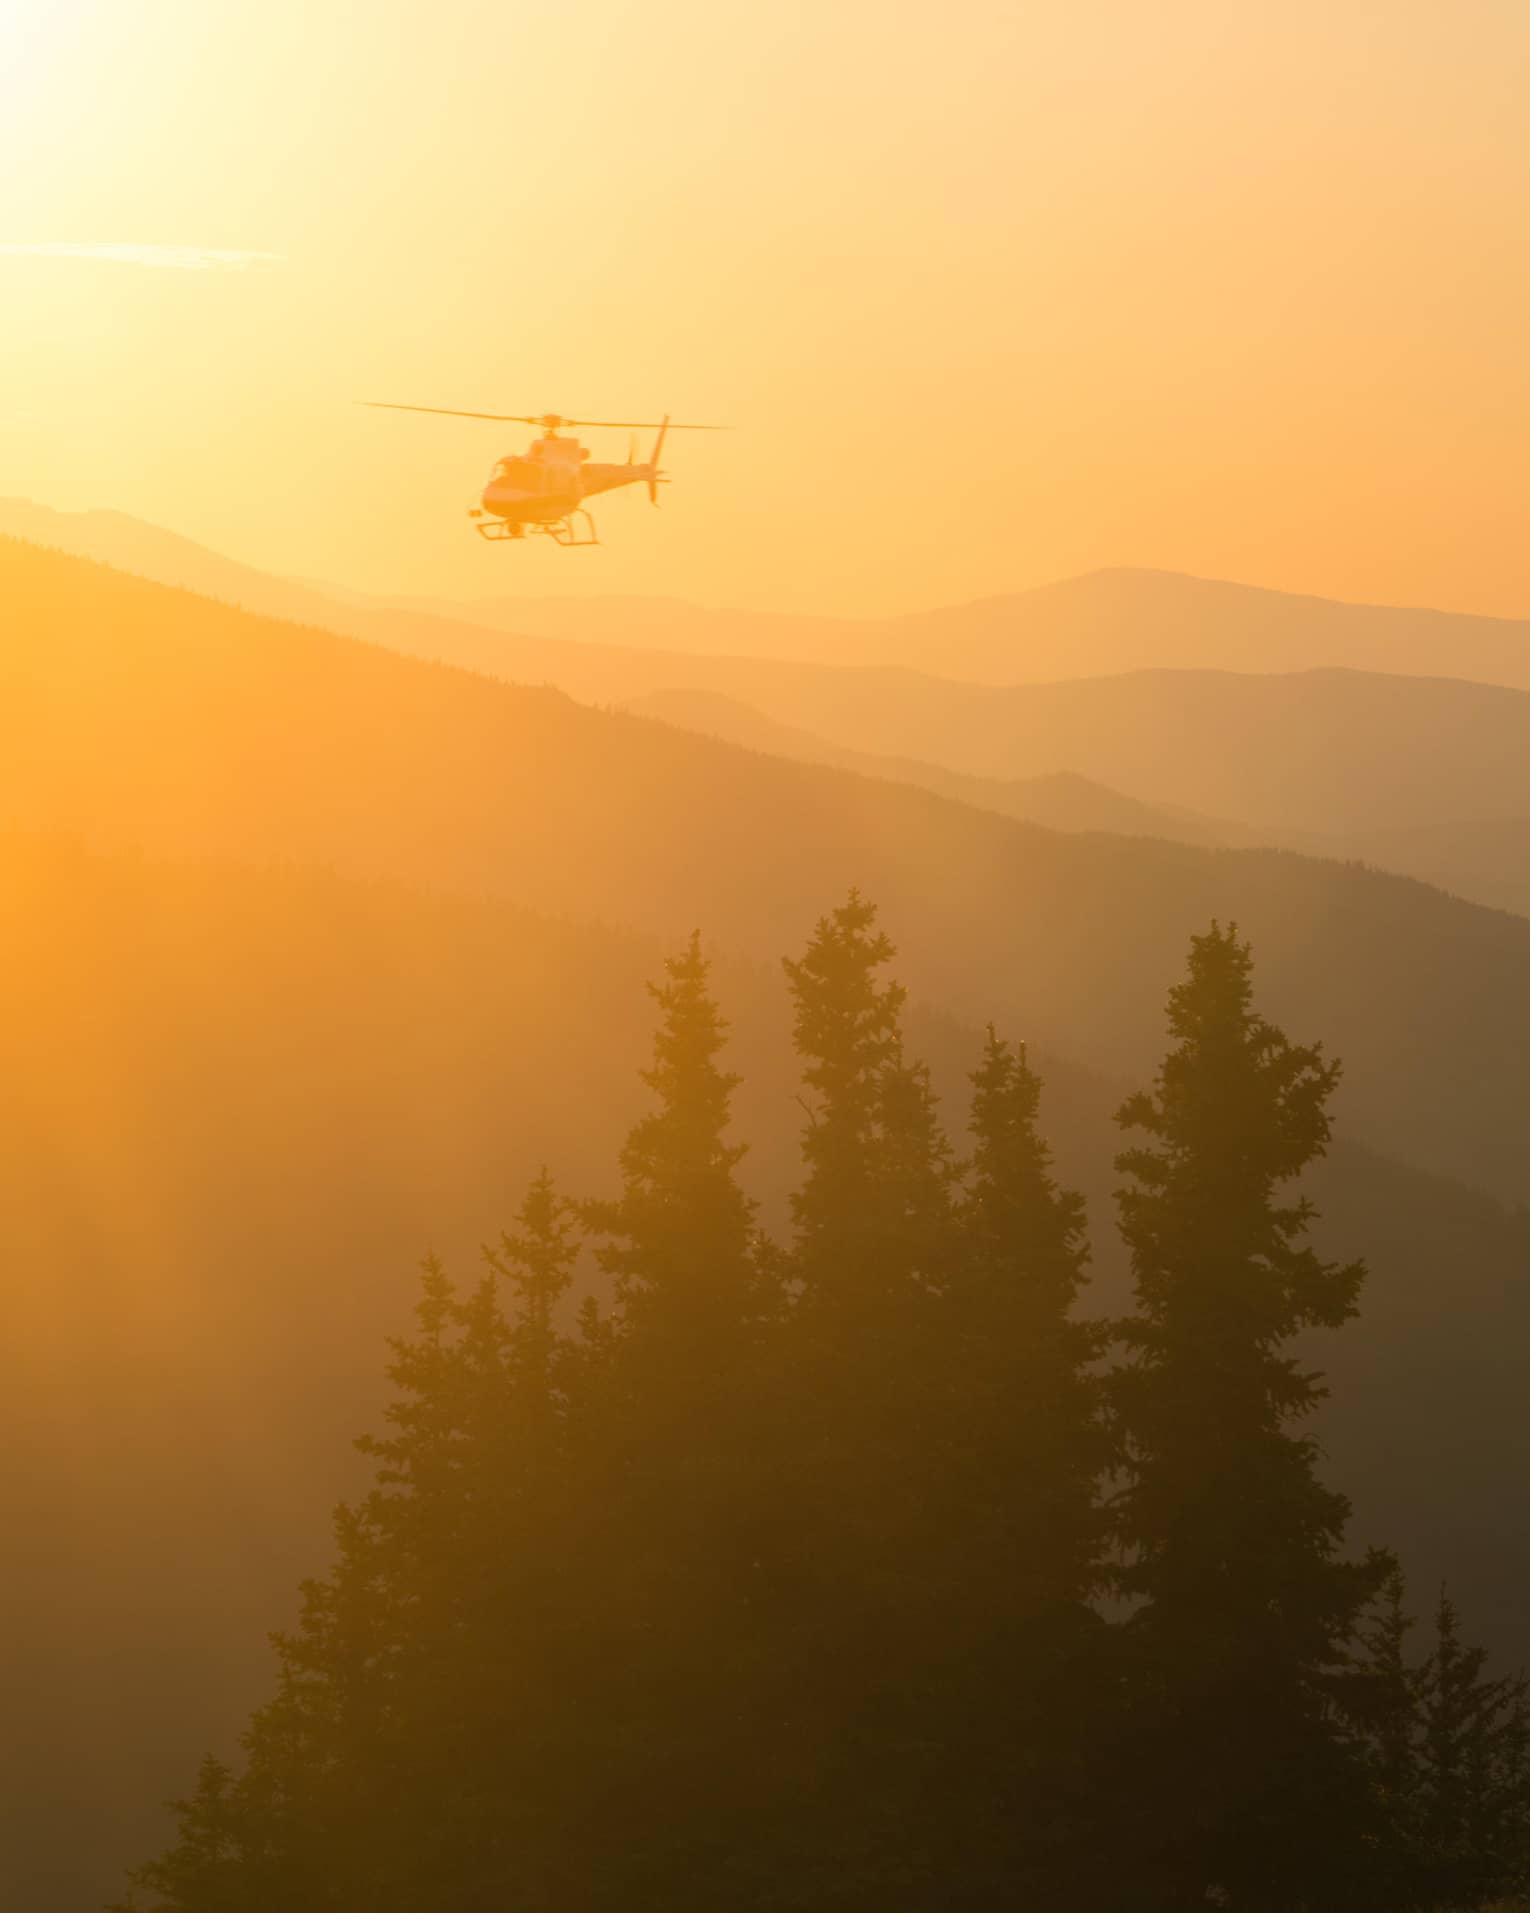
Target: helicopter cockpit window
x=519, y=472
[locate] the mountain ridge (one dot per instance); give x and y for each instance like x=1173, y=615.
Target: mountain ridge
x=1058, y=800
x=1410, y=808
x=142, y=715
x=1148, y=614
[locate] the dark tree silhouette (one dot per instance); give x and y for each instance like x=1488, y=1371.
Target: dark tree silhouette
x=217, y=1865
x=1019, y=1535
x=1022, y=1359
x=1450, y=1753
x=678, y=1458
x=1471, y=1786
x=874, y=1241
x=1247, y=1609
x=381, y=1773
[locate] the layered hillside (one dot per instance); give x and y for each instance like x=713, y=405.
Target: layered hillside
x=141, y=716
x=1422, y=779
x=1059, y=799
x=1097, y=625
x=1133, y=620
x=1315, y=750
x=1484, y=859
x=1101, y=624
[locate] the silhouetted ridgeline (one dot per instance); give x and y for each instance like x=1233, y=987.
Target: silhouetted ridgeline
x=1346, y=758
x=1058, y=799
x=1096, y=625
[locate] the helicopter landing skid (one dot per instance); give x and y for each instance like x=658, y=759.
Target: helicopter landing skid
x=577, y=529
x=568, y=531
x=495, y=530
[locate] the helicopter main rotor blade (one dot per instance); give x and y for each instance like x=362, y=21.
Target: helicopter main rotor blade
x=549, y=421
x=446, y=411
x=638, y=424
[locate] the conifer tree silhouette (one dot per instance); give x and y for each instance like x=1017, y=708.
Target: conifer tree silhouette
x=678, y=1242
x=381, y=1773
x=1023, y=1358
x=682, y=1446
x=848, y=1033
x=1018, y=1526
x=875, y=1235
x=535, y=1260
x=217, y=1865
x=1449, y=1746
x=1385, y=1708
x=1471, y=1796
x=1247, y=1609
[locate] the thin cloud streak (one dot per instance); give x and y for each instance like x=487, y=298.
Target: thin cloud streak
x=180, y=258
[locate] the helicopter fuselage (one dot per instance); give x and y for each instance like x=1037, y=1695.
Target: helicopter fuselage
x=551, y=479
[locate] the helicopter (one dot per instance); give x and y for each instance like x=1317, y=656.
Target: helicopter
x=540, y=492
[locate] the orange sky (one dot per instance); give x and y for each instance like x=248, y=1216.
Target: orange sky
x=993, y=292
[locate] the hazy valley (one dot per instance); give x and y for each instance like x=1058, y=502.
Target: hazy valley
x=393, y=919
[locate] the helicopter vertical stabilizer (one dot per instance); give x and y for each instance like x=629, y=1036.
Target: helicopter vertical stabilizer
x=653, y=463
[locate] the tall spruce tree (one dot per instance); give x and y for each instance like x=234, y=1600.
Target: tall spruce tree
x=1023, y=1357
x=1384, y=1704
x=874, y=1212
x=1471, y=1792
x=1247, y=1610
x=1024, y=1448
x=680, y=1452
x=678, y=1242
x=535, y=1261
x=1449, y=1746
x=848, y=1026
x=404, y=1761
x=220, y=1863
x=874, y=1240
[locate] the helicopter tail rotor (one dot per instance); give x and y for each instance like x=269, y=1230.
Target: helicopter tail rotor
x=655, y=478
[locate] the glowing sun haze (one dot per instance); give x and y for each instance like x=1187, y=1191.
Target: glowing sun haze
x=993, y=292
